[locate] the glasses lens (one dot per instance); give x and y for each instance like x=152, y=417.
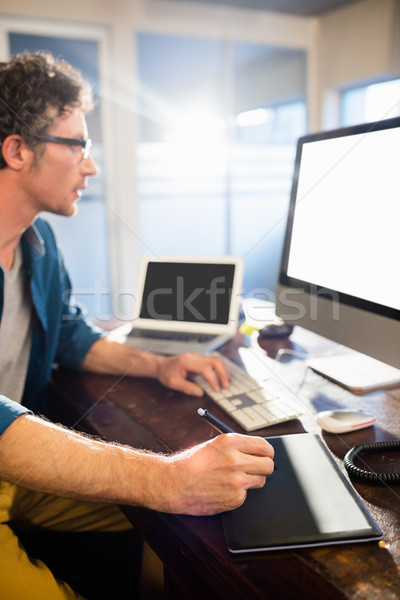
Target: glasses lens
x=86, y=148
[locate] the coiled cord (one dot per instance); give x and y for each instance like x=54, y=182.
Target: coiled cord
x=370, y=476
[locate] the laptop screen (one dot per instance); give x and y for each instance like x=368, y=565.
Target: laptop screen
x=188, y=292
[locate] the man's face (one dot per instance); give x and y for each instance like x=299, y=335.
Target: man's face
x=58, y=176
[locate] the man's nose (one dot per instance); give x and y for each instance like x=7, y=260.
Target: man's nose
x=90, y=167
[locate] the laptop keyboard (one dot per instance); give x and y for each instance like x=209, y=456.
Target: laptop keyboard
x=181, y=336
x=253, y=403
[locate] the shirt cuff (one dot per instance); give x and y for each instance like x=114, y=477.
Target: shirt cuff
x=9, y=411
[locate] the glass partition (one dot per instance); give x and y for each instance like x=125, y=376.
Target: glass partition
x=218, y=125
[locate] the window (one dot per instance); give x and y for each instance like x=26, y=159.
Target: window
x=90, y=277
x=371, y=103
x=218, y=122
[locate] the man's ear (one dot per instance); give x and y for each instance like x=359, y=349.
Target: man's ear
x=15, y=152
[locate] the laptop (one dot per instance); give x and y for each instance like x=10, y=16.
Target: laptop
x=186, y=304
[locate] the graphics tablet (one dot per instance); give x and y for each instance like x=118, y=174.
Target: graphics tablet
x=306, y=502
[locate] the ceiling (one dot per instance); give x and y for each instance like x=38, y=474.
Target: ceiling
x=306, y=8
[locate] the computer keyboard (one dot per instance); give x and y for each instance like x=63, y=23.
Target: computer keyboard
x=254, y=403
x=184, y=336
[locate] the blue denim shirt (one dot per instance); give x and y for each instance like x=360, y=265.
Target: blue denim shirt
x=61, y=335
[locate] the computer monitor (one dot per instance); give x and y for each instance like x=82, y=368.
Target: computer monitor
x=340, y=268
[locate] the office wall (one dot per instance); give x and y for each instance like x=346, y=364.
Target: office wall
x=356, y=45
x=359, y=43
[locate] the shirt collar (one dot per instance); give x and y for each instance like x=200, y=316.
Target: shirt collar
x=34, y=240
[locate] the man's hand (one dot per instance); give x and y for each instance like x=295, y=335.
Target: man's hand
x=214, y=476
x=175, y=371
x=106, y=356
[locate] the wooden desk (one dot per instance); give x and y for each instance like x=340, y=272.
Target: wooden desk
x=142, y=413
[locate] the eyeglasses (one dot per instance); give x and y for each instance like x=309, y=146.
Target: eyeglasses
x=86, y=144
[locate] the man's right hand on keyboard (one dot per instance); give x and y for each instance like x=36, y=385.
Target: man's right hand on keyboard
x=176, y=372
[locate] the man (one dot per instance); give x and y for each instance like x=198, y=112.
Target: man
x=45, y=162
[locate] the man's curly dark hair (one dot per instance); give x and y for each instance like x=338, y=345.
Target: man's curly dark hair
x=35, y=88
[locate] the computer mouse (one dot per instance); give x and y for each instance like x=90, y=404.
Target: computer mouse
x=343, y=420
x=275, y=330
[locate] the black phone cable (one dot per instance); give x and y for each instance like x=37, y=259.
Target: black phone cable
x=370, y=476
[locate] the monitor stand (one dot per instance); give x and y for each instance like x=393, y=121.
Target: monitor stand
x=356, y=372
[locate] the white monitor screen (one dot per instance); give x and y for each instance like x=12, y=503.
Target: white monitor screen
x=345, y=232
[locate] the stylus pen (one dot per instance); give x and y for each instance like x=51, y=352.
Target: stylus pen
x=216, y=423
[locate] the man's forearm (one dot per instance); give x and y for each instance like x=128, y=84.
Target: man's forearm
x=62, y=462
x=106, y=356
